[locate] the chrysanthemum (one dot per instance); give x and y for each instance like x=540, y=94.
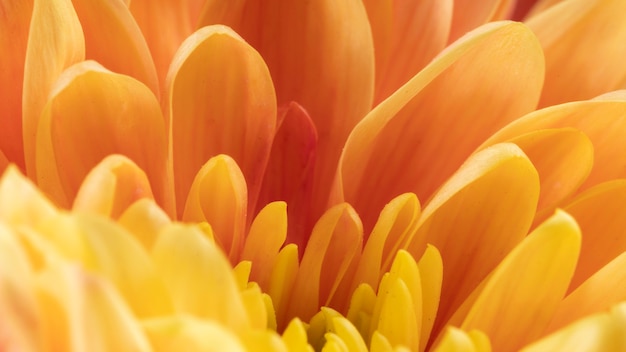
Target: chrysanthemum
x=312, y=175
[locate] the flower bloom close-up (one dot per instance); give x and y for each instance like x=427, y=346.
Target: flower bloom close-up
x=290, y=175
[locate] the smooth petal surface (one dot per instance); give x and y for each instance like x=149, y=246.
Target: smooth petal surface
x=14, y=25
x=111, y=187
x=398, y=147
x=109, y=30
x=407, y=35
x=524, y=291
x=56, y=35
x=218, y=196
x=92, y=113
x=21, y=203
x=468, y=15
x=491, y=201
x=145, y=220
x=320, y=54
x=457, y=340
x=220, y=99
x=582, y=41
x=3, y=162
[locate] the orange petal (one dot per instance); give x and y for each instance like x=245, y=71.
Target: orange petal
x=109, y=30
x=522, y=294
x=492, y=201
x=218, y=196
x=602, y=120
x=56, y=35
x=416, y=139
x=111, y=187
x=327, y=262
x=93, y=113
x=582, y=42
x=3, y=162
x=601, y=214
x=289, y=174
x=407, y=35
x=320, y=54
x=13, y=38
x=468, y=14
x=220, y=99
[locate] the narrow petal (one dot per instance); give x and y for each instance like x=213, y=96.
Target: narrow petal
x=109, y=30
x=144, y=219
x=492, y=199
x=535, y=276
x=320, y=54
x=218, y=196
x=436, y=113
x=56, y=35
x=111, y=187
x=220, y=99
x=14, y=29
x=290, y=170
x=282, y=280
x=295, y=337
x=582, y=41
x=407, y=35
x=92, y=113
x=3, y=162
x=431, y=274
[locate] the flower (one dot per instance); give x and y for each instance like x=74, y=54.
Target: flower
x=421, y=175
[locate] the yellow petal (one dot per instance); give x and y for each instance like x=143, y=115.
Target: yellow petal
x=144, y=219
x=56, y=35
x=92, y=113
x=361, y=308
x=111, y=187
x=198, y=276
x=492, y=200
x=582, y=41
x=523, y=293
x=320, y=55
x=21, y=203
x=220, y=99
x=457, y=340
x=348, y=333
x=295, y=337
x=13, y=39
x=218, y=195
x=265, y=238
x=431, y=116
x=431, y=274
x=282, y=279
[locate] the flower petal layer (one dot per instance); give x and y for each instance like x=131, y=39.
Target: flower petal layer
x=582, y=41
x=398, y=147
x=92, y=113
x=56, y=35
x=220, y=99
x=468, y=15
x=145, y=220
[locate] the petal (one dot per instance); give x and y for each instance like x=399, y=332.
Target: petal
x=439, y=117
x=111, y=187
x=21, y=203
x=601, y=214
x=14, y=29
x=457, y=340
x=220, y=99
x=407, y=35
x=218, y=196
x=468, y=15
x=524, y=291
x=290, y=169
x=199, y=277
x=320, y=54
x=492, y=201
x=282, y=281
x=92, y=113
x=144, y=219
x=56, y=35
x=109, y=30
x=3, y=162
x=582, y=41
x=295, y=337
x=431, y=274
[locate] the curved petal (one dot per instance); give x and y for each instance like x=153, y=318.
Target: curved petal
x=582, y=41
x=92, y=113
x=56, y=35
x=14, y=28
x=491, y=201
x=320, y=54
x=220, y=99
x=21, y=202
x=110, y=30
x=468, y=14
x=416, y=139
x=145, y=220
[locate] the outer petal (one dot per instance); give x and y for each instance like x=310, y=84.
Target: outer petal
x=524, y=291
x=439, y=117
x=469, y=14
x=14, y=27
x=21, y=203
x=56, y=35
x=92, y=113
x=583, y=44
x=110, y=30
x=320, y=54
x=491, y=201
x=220, y=99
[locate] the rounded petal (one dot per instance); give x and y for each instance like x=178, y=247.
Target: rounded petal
x=469, y=14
